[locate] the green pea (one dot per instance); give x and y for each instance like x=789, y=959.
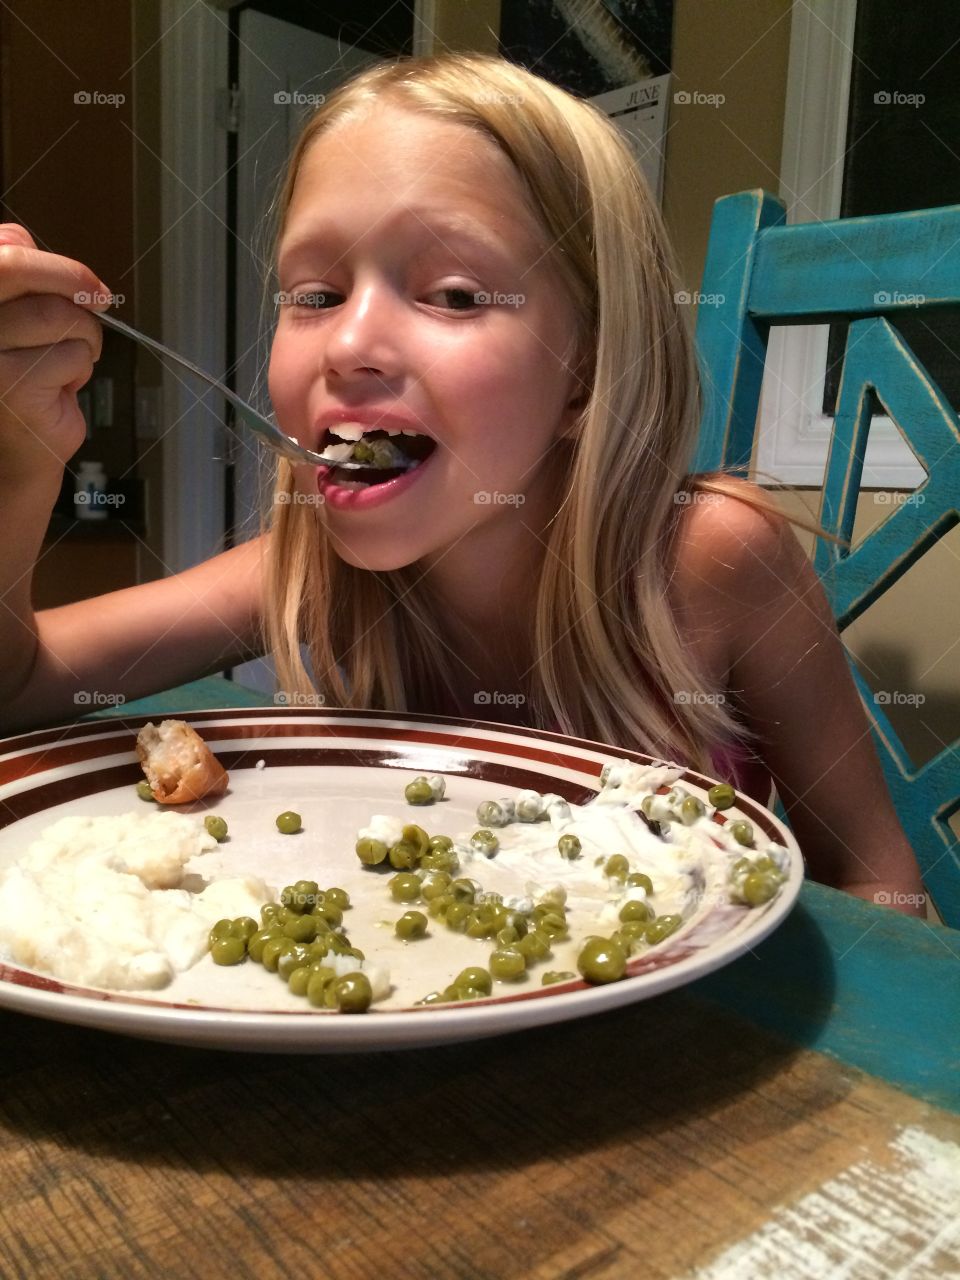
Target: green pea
x=412, y=834
x=661, y=927
x=722, y=796
x=533, y=945
x=759, y=887
x=507, y=935
x=433, y=885
x=635, y=910
x=691, y=808
x=216, y=826
x=507, y=963
x=439, y=905
x=440, y=844
x=632, y=931
x=404, y=887
x=457, y=915
x=144, y=792
x=480, y=924
x=553, y=925
x=256, y=944
x=617, y=867
x=296, y=957
x=569, y=847
x=553, y=975
x=463, y=890
x=338, y=897
x=222, y=929
x=441, y=860
x=485, y=842
x=433, y=998
x=228, y=951
x=491, y=814
x=475, y=977
x=646, y=804
x=272, y=951
x=289, y=823
x=418, y=792
x=637, y=880
x=244, y=927
x=353, y=993
x=317, y=985
x=299, y=980
x=742, y=831
x=362, y=452
x=412, y=924
x=300, y=928
x=602, y=960
x=371, y=852
x=403, y=856
x=269, y=911
x=307, y=893
x=294, y=903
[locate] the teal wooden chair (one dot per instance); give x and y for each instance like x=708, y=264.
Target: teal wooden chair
x=769, y=273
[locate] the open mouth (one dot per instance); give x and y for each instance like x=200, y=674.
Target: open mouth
x=390, y=453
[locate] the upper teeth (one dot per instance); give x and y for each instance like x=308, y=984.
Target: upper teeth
x=354, y=430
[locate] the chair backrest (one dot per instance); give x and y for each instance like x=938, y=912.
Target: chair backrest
x=767, y=273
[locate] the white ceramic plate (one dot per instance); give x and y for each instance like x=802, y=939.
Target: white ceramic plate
x=338, y=768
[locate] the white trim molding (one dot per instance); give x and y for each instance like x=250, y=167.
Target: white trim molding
x=794, y=433
x=193, y=208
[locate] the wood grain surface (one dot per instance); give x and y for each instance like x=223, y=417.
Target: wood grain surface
x=652, y=1141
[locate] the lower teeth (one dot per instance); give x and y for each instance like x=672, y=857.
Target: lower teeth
x=344, y=480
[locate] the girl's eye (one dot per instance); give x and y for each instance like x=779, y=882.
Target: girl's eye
x=312, y=299
x=459, y=298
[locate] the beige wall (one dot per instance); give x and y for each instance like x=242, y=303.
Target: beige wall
x=909, y=640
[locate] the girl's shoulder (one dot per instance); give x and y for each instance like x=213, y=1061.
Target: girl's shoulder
x=725, y=552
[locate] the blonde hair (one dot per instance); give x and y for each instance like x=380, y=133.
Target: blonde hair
x=609, y=662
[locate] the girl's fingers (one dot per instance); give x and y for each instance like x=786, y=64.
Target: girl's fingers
x=25, y=270
x=45, y=319
x=40, y=420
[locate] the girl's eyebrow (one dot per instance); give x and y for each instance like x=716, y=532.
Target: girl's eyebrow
x=431, y=229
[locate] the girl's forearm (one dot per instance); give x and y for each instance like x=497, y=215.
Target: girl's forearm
x=25, y=506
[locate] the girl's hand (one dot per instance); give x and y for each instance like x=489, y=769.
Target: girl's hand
x=49, y=342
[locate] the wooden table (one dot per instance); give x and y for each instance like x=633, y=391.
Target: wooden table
x=793, y=1115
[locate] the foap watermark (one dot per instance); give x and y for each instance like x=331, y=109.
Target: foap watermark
x=91, y=497
x=497, y=698
x=685, y=299
x=492, y=98
x=893, y=298
x=685, y=499
x=295, y=98
x=887, y=499
x=893, y=898
x=95, y=98
x=298, y=499
x=484, y=299
x=98, y=299
x=484, y=498
x=298, y=298
x=696, y=697
x=95, y=698
x=896, y=98
x=695, y=98
x=291, y=698
x=897, y=698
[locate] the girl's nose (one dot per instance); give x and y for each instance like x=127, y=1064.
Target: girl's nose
x=362, y=338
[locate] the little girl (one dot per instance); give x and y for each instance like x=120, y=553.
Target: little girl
x=469, y=255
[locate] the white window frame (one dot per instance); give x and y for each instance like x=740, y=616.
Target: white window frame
x=794, y=433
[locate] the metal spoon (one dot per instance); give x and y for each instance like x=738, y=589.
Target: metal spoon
x=268, y=432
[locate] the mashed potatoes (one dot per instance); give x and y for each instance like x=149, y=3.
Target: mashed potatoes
x=95, y=900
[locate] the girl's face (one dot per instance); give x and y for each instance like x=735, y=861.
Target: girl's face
x=397, y=220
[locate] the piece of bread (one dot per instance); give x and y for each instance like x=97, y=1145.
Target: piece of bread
x=178, y=764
